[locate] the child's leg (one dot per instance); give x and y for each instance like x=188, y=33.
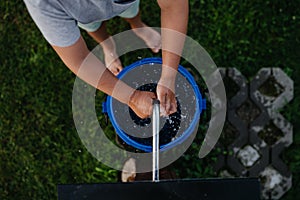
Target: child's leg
x=151, y=37
x=111, y=58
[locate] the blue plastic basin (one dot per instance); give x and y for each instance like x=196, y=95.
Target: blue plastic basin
x=188, y=121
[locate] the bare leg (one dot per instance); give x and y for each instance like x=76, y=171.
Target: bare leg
x=111, y=58
x=151, y=37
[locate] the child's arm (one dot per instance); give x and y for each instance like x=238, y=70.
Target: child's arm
x=89, y=68
x=174, y=20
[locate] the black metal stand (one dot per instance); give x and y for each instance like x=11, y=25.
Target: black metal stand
x=207, y=189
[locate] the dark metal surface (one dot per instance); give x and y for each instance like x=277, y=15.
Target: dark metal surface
x=208, y=189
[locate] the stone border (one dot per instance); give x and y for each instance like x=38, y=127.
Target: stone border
x=263, y=159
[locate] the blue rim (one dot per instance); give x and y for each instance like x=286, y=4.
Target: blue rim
x=107, y=108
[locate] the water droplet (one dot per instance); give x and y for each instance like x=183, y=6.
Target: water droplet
x=183, y=116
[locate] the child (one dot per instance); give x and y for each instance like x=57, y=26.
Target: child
x=58, y=20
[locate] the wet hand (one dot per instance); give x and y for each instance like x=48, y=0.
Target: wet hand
x=141, y=103
x=167, y=99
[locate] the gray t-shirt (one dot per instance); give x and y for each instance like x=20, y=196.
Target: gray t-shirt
x=57, y=19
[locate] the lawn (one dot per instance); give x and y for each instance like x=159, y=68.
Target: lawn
x=39, y=145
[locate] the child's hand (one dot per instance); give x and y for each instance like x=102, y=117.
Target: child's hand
x=167, y=99
x=141, y=103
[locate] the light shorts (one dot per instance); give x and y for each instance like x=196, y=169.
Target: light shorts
x=131, y=12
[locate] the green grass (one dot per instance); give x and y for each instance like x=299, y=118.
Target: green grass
x=39, y=146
